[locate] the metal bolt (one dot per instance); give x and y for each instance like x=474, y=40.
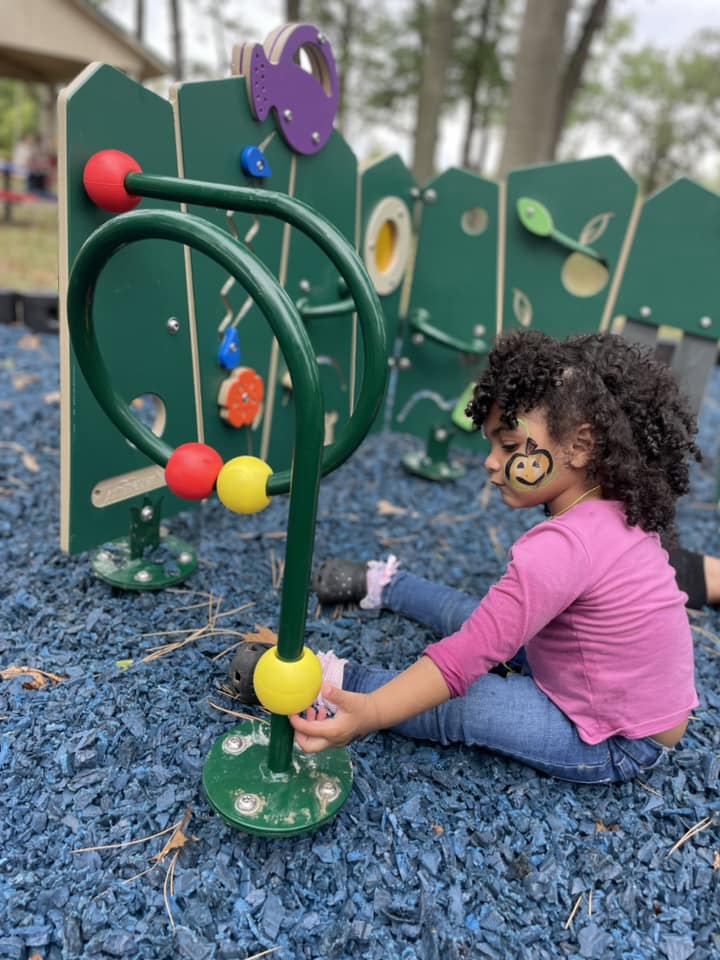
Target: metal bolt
x=479, y=330
x=143, y=576
x=185, y=557
x=430, y=196
x=705, y=322
x=327, y=791
x=645, y=311
x=415, y=192
x=173, y=326
x=322, y=38
x=315, y=137
x=247, y=803
x=404, y=363
x=287, y=114
x=391, y=361
x=305, y=286
x=146, y=514
x=529, y=212
x=418, y=339
x=441, y=434
x=234, y=744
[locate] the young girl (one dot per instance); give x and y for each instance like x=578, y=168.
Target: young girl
x=595, y=430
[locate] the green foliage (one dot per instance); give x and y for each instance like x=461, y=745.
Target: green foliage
x=662, y=109
x=19, y=114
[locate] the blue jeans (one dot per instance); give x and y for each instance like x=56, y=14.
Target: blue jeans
x=507, y=715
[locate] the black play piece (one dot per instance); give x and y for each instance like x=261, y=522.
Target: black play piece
x=341, y=581
x=242, y=670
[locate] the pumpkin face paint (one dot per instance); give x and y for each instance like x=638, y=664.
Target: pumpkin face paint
x=531, y=468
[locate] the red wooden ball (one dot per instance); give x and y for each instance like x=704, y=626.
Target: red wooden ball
x=192, y=470
x=104, y=180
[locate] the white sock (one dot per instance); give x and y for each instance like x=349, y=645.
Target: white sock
x=379, y=574
x=333, y=669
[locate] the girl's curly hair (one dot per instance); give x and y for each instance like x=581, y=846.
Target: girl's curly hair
x=643, y=429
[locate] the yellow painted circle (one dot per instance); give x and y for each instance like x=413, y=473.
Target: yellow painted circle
x=286, y=687
x=583, y=276
x=242, y=483
x=385, y=246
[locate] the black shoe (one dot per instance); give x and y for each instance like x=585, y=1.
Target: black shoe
x=341, y=581
x=242, y=670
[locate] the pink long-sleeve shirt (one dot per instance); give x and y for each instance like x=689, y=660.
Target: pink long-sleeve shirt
x=597, y=607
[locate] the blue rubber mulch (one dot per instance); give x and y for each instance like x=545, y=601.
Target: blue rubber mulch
x=438, y=853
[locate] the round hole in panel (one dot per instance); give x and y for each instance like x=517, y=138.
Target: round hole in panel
x=475, y=221
x=583, y=276
x=386, y=249
x=150, y=410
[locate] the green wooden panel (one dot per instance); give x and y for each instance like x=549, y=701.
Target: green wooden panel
x=672, y=274
x=327, y=181
x=548, y=283
x=215, y=124
x=455, y=282
x=388, y=194
x=140, y=289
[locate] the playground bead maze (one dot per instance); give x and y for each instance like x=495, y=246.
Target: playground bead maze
x=237, y=295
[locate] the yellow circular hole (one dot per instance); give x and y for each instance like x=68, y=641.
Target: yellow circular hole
x=385, y=246
x=584, y=276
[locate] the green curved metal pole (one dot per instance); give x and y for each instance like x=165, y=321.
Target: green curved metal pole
x=336, y=247
x=283, y=317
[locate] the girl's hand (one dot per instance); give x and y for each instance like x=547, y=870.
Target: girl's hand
x=354, y=717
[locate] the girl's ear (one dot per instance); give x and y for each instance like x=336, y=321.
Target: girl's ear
x=581, y=447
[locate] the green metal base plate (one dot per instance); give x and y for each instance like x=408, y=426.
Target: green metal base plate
x=247, y=795
x=173, y=562
x=421, y=465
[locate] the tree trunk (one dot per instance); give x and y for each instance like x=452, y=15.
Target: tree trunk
x=475, y=75
x=575, y=65
x=344, y=61
x=439, y=37
x=536, y=86
x=177, y=40
x=140, y=19
x=292, y=11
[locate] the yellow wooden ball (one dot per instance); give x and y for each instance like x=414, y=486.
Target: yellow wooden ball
x=241, y=485
x=286, y=687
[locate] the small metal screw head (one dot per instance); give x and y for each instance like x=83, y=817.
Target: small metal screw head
x=391, y=362
x=143, y=576
x=415, y=192
x=404, y=363
x=645, y=311
x=327, y=791
x=185, y=557
x=430, y=196
x=234, y=744
x=479, y=330
x=315, y=137
x=441, y=434
x=321, y=38
x=247, y=803
x=418, y=339
x=288, y=115
x=305, y=286
x=173, y=326
x=146, y=514
x=705, y=322
x=529, y=212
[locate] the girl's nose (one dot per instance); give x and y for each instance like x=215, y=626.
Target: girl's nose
x=491, y=463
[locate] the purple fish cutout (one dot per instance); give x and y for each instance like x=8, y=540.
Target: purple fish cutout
x=305, y=103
